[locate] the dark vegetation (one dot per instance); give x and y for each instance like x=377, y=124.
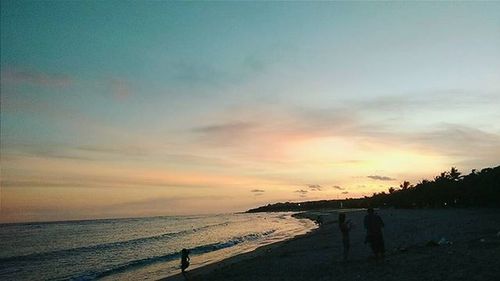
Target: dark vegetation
x=449, y=189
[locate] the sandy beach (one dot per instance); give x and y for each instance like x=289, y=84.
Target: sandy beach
x=448, y=244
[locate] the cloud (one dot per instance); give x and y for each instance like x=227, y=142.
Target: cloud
x=242, y=135
x=257, y=191
x=266, y=132
x=227, y=128
x=51, y=150
x=381, y=178
x=42, y=183
x=196, y=73
x=159, y=203
x=28, y=170
x=456, y=137
x=266, y=129
x=475, y=147
x=314, y=187
x=419, y=102
x=337, y=187
x=301, y=191
x=127, y=150
x=345, y=192
x=13, y=76
x=93, y=182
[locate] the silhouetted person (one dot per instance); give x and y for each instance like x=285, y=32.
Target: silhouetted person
x=319, y=220
x=345, y=227
x=374, y=225
x=184, y=260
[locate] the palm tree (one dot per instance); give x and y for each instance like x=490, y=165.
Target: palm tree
x=405, y=185
x=454, y=174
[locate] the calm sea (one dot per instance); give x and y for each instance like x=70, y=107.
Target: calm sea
x=134, y=249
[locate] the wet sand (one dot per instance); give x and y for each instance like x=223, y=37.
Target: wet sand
x=451, y=244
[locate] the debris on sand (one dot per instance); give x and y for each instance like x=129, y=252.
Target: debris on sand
x=443, y=241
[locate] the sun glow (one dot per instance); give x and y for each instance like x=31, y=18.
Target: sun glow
x=357, y=156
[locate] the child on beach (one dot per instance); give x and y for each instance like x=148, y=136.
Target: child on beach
x=345, y=227
x=184, y=260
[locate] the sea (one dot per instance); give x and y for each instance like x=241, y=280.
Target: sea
x=135, y=248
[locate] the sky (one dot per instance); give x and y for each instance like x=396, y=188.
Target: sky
x=128, y=109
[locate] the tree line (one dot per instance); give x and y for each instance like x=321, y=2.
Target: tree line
x=448, y=189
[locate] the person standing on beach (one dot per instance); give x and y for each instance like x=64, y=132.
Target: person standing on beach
x=345, y=227
x=184, y=260
x=374, y=225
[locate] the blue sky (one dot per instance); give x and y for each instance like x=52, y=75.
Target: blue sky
x=194, y=102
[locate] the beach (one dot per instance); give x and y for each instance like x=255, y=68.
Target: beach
x=424, y=244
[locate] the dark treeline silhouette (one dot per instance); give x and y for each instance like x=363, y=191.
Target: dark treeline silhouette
x=448, y=189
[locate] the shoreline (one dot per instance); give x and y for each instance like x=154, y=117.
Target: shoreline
x=453, y=244
x=315, y=216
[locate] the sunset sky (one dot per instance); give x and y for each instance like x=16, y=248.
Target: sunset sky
x=124, y=109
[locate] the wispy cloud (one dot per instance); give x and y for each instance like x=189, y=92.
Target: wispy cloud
x=51, y=150
x=45, y=151
x=425, y=101
x=257, y=192
x=314, y=187
x=14, y=76
x=301, y=191
x=195, y=73
x=94, y=182
x=160, y=203
x=264, y=133
x=338, y=187
x=234, y=128
x=29, y=170
x=128, y=150
x=380, y=178
x=475, y=147
x=272, y=126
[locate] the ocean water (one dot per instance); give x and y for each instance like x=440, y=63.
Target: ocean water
x=137, y=248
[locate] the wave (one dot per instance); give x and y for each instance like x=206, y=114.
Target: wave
x=199, y=250
x=106, y=246
x=231, y=242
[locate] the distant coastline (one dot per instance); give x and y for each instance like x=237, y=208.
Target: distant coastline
x=448, y=189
